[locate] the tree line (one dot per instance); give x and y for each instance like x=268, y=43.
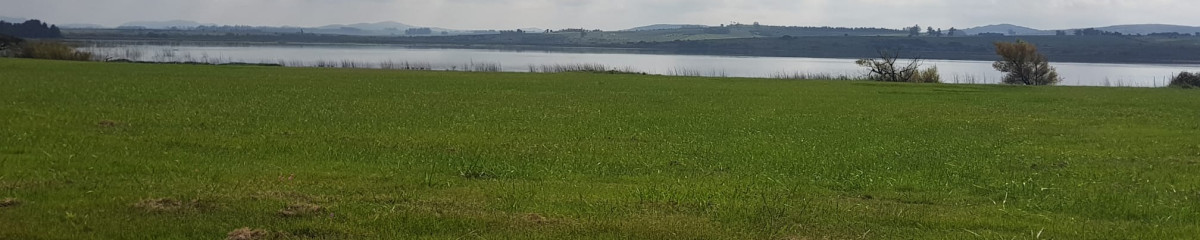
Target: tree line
x=30, y=29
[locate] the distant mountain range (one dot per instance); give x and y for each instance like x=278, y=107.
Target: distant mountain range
x=81, y=26
x=1143, y=29
x=379, y=26
x=1007, y=29
x=664, y=27
x=162, y=24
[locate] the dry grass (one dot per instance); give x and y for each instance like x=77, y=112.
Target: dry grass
x=300, y=210
x=164, y=205
x=247, y=233
x=9, y=202
x=536, y=218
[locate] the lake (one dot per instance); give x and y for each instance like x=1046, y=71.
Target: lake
x=375, y=56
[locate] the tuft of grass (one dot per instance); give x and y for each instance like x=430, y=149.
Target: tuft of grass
x=9, y=202
x=247, y=233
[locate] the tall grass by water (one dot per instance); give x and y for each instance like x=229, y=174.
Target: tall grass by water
x=816, y=76
x=582, y=67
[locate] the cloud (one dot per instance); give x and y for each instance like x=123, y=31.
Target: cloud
x=615, y=14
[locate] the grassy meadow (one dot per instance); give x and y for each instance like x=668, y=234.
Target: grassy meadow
x=137, y=151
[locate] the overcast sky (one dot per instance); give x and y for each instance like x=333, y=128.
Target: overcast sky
x=616, y=14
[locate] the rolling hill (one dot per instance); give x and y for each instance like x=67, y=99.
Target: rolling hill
x=1006, y=29
x=664, y=27
x=163, y=24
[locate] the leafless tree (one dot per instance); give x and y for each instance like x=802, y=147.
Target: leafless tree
x=886, y=69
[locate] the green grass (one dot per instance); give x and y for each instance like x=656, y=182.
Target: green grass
x=130, y=151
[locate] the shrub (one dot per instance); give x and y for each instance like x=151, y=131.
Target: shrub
x=1186, y=80
x=1024, y=64
x=52, y=50
x=929, y=75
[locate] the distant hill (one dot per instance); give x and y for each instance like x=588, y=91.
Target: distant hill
x=80, y=26
x=379, y=26
x=664, y=27
x=391, y=28
x=1125, y=29
x=1005, y=29
x=162, y=24
x=1150, y=28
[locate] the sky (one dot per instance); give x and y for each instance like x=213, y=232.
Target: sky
x=615, y=14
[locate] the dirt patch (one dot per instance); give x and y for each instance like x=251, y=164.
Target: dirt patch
x=108, y=124
x=301, y=210
x=9, y=202
x=248, y=234
x=288, y=196
x=165, y=205
x=536, y=218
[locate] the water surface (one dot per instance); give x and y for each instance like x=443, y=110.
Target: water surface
x=952, y=71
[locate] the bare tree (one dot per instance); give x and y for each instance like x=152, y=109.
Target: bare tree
x=885, y=68
x=1024, y=65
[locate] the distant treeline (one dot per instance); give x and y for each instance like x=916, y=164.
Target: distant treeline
x=30, y=29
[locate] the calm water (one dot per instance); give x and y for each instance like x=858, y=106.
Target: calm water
x=1088, y=74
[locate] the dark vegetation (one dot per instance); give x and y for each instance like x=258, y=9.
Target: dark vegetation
x=53, y=50
x=1023, y=64
x=1096, y=32
x=12, y=44
x=886, y=69
x=8, y=42
x=1186, y=80
x=30, y=29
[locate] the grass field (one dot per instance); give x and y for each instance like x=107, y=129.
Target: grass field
x=130, y=151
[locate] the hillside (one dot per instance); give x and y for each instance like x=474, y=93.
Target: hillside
x=1006, y=29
